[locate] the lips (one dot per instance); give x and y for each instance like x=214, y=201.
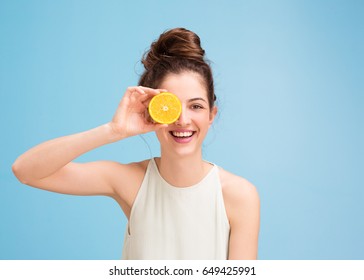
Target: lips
x=182, y=136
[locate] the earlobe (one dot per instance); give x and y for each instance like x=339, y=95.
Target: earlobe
x=213, y=114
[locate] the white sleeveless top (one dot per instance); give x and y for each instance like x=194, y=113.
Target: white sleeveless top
x=174, y=223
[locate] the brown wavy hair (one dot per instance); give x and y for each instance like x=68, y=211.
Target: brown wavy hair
x=176, y=51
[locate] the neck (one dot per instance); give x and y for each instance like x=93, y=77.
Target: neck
x=182, y=171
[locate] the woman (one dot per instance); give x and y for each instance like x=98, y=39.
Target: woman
x=178, y=205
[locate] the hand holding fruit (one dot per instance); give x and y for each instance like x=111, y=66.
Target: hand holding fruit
x=131, y=117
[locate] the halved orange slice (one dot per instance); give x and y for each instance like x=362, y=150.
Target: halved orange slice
x=165, y=108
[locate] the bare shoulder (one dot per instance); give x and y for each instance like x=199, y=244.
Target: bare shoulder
x=243, y=210
x=236, y=189
x=129, y=176
x=133, y=167
x=126, y=182
x=117, y=170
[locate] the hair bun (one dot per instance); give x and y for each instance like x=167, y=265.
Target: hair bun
x=177, y=43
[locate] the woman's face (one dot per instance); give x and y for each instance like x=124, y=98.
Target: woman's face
x=186, y=135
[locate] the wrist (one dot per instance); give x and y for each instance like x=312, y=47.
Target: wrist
x=114, y=133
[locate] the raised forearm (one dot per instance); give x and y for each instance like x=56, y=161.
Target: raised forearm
x=45, y=159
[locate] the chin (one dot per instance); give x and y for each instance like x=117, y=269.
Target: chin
x=178, y=144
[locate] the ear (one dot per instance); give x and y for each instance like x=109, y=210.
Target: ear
x=212, y=115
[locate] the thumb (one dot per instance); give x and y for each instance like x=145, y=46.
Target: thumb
x=154, y=127
x=160, y=126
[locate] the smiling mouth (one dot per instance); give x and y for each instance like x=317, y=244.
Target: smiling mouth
x=185, y=134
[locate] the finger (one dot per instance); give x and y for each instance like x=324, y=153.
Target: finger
x=162, y=90
x=145, y=99
x=129, y=92
x=148, y=90
x=136, y=94
x=139, y=90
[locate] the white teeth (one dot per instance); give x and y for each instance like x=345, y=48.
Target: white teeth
x=182, y=134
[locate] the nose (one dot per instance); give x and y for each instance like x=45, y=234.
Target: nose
x=184, y=119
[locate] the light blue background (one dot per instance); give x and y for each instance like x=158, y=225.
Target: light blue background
x=289, y=78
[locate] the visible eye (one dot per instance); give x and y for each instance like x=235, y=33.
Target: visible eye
x=197, y=107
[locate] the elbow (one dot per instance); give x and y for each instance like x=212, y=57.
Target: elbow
x=18, y=172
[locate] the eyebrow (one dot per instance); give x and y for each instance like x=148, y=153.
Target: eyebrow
x=197, y=98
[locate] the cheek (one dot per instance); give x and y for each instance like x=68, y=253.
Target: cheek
x=203, y=122
x=206, y=118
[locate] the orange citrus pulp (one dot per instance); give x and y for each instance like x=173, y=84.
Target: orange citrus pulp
x=165, y=108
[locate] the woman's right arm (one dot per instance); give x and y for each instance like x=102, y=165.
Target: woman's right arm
x=49, y=165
